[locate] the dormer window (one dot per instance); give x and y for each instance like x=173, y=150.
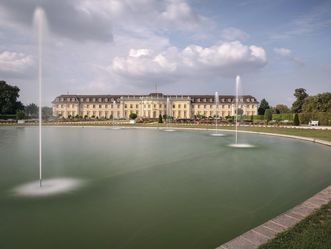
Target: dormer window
x=93, y=99
x=87, y=100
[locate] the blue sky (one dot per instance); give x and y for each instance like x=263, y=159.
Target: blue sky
x=186, y=47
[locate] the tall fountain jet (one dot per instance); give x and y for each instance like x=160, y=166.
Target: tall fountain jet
x=236, y=144
x=237, y=100
x=56, y=185
x=40, y=23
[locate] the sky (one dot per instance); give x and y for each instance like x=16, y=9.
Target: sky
x=179, y=46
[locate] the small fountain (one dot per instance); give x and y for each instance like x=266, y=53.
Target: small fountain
x=113, y=123
x=216, y=134
x=49, y=186
x=236, y=144
x=167, y=113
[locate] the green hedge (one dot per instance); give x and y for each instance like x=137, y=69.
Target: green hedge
x=283, y=116
x=324, y=118
x=7, y=116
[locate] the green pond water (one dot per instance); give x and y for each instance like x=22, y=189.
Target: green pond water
x=150, y=188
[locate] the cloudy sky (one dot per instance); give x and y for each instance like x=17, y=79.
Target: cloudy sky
x=183, y=46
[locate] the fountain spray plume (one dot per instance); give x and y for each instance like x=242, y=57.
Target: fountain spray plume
x=216, y=111
x=237, y=100
x=40, y=24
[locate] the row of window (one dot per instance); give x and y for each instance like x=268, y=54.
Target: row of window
x=149, y=106
x=73, y=99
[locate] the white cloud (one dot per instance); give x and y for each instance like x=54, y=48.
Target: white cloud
x=283, y=52
x=232, y=33
x=180, y=13
x=225, y=59
x=12, y=62
x=287, y=53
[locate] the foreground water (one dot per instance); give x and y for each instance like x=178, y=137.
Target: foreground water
x=150, y=188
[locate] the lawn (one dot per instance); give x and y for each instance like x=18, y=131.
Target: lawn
x=314, y=232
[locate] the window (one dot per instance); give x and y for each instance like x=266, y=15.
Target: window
x=87, y=106
x=137, y=106
x=179, y=106
x=87, y=100
x=100, y=106
x=204, y=106
x=184, y=105
x=93, y=106
x=173, y=106
x=131, y=106
x=125, y=106
x=99, y=99
x=198, y=106
x=93, y=99
x=106, y=106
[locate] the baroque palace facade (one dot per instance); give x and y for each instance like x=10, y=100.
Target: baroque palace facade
x=151, y=105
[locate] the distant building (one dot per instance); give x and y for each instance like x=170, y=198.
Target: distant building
x=151, y=105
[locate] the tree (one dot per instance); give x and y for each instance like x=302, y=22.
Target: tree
x=300, y=94
x=32, y=110
x=133, y=116
x=318, y=103
x=296, y=121
x=268, y=115
x=264, y=105
x=281, y=108
x=20, y=114
x=8, y=99
x=47, y=112
x=240, y=111
x=160, y=119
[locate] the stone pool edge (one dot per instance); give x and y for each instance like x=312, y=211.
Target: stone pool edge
x=259, y=235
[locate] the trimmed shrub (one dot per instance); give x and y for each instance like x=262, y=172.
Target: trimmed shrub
x=268, y=115
x=296, y=121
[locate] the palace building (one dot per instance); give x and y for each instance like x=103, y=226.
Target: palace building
x=152, y=105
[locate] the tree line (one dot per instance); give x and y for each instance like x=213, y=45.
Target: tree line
x=10, y=107
x=304, y=108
